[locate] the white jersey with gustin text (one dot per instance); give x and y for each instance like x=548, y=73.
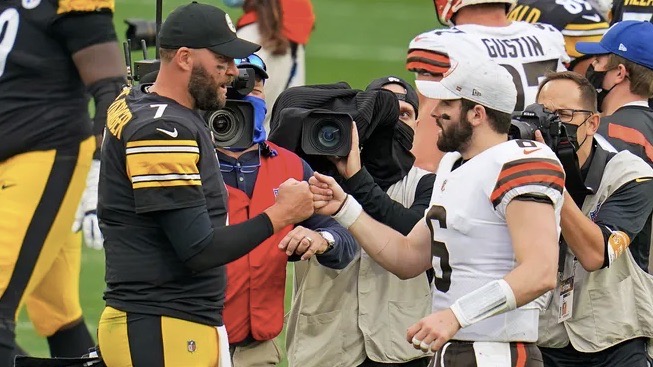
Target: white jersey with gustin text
x=527, y=51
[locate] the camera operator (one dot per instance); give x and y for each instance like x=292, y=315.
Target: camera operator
x=372, y=307
x=601, y=312
x=254, y=305
x=163, y=203
x=623, y=75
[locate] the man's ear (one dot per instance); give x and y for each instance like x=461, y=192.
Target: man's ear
x=184, y=58
x=623, y=73
x=593, y=124
x=476, y=115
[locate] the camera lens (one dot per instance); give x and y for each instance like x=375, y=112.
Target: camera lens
x=222, y=124
x=225, y=126
x=329, y=135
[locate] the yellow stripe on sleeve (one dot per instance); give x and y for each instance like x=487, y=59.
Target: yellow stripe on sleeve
x=587, y=27
x=172, y=183
x=68, y=6
x=161, y=143
x=157, y=165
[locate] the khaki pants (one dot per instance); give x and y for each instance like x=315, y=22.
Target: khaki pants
x=257, y=354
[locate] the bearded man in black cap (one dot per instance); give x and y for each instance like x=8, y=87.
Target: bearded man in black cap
x=163, y=203
x=372, y=307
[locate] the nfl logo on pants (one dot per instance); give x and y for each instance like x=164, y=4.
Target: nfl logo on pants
x=191, y=346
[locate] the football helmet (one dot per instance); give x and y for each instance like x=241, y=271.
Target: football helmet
x=604, y=7
x=447, y=8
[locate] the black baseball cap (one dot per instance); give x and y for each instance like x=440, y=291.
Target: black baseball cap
x=410, y=96
x=204, y=26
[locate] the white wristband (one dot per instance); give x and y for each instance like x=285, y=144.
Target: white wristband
x=349, y=212
x=491, y=299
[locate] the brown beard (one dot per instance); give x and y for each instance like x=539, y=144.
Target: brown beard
x=204, y=90
x=455, y=137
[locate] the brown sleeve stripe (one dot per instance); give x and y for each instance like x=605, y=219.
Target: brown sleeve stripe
x=431, y=61
x=528, y=164
x=547, y=173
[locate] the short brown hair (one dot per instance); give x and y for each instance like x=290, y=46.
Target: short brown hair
x=641, y=77
x=499, y=121
x=167, y=54
x=587, y=90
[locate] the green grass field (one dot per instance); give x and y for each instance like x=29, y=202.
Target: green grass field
x=354, y=41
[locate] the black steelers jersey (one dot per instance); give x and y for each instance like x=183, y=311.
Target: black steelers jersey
x=42, y=99
x=578, y=21
x=631, y=10
x=157, y=155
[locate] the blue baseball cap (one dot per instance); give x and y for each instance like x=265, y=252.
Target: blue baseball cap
x=256, y=62
x=630, y=39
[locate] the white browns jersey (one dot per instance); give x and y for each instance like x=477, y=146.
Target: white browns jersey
x=471, y=244
x=527, y=51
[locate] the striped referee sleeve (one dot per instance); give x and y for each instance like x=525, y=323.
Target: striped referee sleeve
x=538, y=176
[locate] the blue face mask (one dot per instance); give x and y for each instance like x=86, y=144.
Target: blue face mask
x=259, y=116
x=234, y=3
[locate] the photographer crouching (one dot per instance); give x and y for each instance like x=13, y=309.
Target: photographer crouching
x=601, y=313
x=372, y=307
x=253, y=169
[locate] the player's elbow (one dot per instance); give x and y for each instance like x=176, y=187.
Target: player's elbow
x=545, y=276
x=548, y=282
x=413, y=270
x=405, y=275
x=592, y=261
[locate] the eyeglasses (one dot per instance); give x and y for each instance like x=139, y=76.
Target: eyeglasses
x=567, y=114
x=252, y=59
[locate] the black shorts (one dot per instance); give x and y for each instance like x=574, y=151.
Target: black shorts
x=631, y=353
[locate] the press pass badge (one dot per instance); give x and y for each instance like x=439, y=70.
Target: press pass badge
x=566, y=304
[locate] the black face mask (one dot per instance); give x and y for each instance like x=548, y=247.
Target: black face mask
x=596, y=79
x=572, y=134
x=404, y=136
x=388, y=164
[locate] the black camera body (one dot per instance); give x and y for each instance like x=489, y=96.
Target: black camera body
x=233, y=125
x=536, y=117
x=314, y=134
x=145, y=70
x=327, y=133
